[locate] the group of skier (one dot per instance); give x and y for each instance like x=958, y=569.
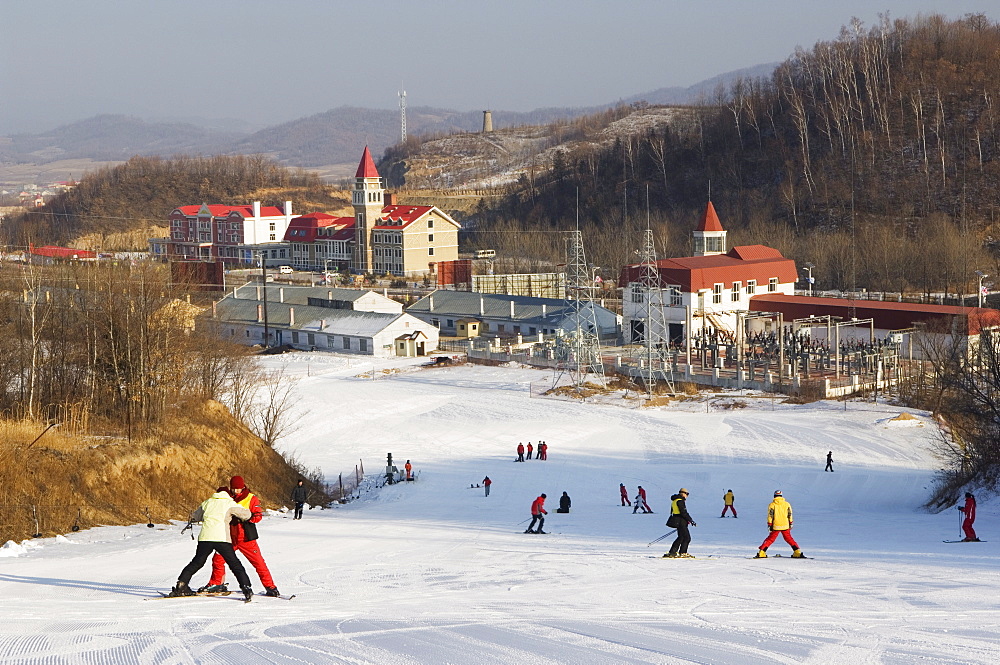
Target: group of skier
x=229, y=521
x=541, y=454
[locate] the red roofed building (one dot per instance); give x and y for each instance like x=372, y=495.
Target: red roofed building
x=230, y=234
x=319, y=240
x=50, y=254
x=706, y=289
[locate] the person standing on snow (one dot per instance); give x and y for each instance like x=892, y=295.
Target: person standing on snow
x=564, y=503
x=530, y=448
x=729, y=500
x=829, y=461
x=537, y=511
x=543, y=451
x=299, y=496
x=624, y=493
x=779, y=520
x=970, y=516
x=409, y=470
x=637, y=504
x=486, y=483
x=642, y=495
x=680, y=519
x=520, y=452
x=244, y=539
x=215, y=513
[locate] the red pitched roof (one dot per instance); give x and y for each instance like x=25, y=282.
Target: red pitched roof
x=710, y=220
x=739, y=264
x=219, y=210
x=401, y=213
x=887, y=315
x=366, y=169
x=305, y=228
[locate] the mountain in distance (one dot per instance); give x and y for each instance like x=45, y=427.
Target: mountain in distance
x=333, y=137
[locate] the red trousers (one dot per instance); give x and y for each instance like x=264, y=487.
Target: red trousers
x=732, y=508
x=787, y=533
x=970, y=533
x=251, y=551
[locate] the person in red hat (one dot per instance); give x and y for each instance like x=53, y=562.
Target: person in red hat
x=244, y=537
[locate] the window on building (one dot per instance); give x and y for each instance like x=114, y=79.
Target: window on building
x=450, y=323
x=363, y=344
x=637, y=293
x=430, y=223
x=499, y=327
x=311, y=339
x=713, y=244
x=295, y=338
x=737, y=287
x=436, y=323
x=517, y=329
x=772, y=284
x=751, y=287
x=675, y=295
x=347, y=343
x=430, y=251
x=717, y=294
x=430, y=237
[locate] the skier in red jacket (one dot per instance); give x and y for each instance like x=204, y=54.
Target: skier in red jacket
x=520, y=452
x=537, y=510
x=621, y=488
x=530, y=448
x=244, y=537
x=970, y=516
x=642, y=495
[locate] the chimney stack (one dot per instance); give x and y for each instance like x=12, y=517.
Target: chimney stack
x=482, y=306
x=291, y=316
x=281, y=294
x=260, y=313
x=487, y=122
x=430, y=301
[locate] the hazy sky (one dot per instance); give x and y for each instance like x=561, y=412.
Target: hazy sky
x=271, y=61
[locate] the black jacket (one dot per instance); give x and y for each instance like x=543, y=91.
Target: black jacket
x=564, y=502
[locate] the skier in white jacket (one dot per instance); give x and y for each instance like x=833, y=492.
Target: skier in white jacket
x=215, y=514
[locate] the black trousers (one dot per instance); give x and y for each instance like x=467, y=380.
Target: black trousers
x=298, y=510
x=683, y=539
x=201, y=554
x=540, y=519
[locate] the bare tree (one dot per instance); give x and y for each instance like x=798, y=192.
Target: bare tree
x=271, y=413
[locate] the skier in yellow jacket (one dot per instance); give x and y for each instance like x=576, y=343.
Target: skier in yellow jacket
x=779, y=520
x=728, y=500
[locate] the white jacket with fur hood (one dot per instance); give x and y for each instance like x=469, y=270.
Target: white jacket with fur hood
x=214, y=514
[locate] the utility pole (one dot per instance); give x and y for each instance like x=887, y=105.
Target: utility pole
x=263, y=290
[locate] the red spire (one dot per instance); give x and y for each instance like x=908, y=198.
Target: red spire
x=710, y=221
x=366, y=169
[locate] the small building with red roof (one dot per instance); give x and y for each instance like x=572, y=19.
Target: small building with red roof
x=49, y=254
x=706, y=289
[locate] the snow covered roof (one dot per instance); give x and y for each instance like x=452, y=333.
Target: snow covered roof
x=306, y=317
x=468, y=304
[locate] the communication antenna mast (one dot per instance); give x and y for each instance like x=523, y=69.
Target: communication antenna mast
x=402, y=115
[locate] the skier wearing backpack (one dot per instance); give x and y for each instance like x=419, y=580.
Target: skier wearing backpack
x=779, y=520
x=728, y=501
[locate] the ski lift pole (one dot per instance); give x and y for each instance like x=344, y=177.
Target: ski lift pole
x=666, y=535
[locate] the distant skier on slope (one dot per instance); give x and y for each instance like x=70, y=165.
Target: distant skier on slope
x=564, y=503
x=680, y=520
x=779, y=520
x=624, y=493
x=537, y=511
x=543, y=451
x=642, y=495
x=244, y=540
x=486, y=483
x=829, y=461
x=409, y=470
x=530, y=448
x=215, y=514
x=520, y=452
x=637, y=504
x=729, y=500
x=970, y=517
x=299, y=495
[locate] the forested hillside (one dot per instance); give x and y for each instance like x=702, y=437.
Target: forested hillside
x=121, y=204
x=862, y=155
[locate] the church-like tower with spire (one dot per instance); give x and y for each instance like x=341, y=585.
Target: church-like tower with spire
x=367, y=198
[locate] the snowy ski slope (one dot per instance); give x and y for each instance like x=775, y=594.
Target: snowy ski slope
x=434, y=572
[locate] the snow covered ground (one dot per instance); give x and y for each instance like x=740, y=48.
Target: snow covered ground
x=434, y=572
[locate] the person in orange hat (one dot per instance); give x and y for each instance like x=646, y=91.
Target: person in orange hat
x=244, y=537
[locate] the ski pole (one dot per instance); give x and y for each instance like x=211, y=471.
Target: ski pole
x=666, y=535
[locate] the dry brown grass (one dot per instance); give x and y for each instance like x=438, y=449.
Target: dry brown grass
x=109, y=480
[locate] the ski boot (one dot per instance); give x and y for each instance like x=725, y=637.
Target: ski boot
x=685, y=555
x=181, y=589
x=540, y=531
x=761, y=554
x=214, y=588
x=670, y=555
x=528, y=531
x=797, y=554
x=247, y=593
x=272, y=591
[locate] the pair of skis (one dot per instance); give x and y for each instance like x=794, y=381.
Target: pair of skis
x=224, y=593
